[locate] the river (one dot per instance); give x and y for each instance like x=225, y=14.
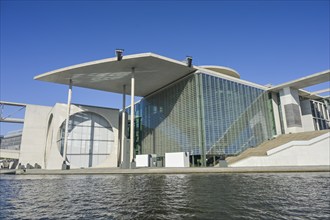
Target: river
x=186, y=196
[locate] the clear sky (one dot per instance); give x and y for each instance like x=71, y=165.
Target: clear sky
x=265, y=41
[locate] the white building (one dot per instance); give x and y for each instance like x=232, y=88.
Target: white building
x=207, y=111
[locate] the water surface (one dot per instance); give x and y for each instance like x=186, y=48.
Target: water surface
x=187, y=196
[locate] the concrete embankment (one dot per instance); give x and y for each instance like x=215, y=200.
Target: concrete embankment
x=203, y=170
x=6, y=171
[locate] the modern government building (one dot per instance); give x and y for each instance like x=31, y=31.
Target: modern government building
x=206, y=113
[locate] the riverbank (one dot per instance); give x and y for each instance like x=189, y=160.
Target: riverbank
x=7, y=171
x=195, y=170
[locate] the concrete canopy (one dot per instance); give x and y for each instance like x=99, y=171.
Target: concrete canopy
x=152, y=72
x=304, y=82
x=224, y=70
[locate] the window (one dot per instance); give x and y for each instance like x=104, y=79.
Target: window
x=90, y=139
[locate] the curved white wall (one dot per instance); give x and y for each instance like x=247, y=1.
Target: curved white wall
x=315, y=152
x=40, y=134
x=53, y=158
x=34, y=135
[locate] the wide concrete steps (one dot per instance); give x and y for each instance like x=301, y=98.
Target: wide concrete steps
x=262, y=149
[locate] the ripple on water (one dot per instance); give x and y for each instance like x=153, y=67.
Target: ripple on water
x=209, y=196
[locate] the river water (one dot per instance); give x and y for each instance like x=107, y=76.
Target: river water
x=188, y=196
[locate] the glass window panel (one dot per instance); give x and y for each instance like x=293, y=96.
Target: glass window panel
x=88, y=133
x=234, y=116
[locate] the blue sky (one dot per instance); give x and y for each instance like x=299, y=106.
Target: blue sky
x=265, y=41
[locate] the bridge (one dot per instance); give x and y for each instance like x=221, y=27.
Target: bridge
x=9, y=154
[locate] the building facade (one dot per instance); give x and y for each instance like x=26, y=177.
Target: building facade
x=92, y=137
x=205, y=115
x=207, y=112
x=11, y=141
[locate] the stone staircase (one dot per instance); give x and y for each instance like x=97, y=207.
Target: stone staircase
x=262, y=149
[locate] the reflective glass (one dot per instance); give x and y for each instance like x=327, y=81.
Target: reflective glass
x=203, y=115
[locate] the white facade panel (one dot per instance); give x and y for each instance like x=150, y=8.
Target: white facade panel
x=307, y=122
x=34, y=135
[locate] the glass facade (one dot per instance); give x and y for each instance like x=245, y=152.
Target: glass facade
x=204, y=115
x=320, y=115
x=168, y=120
x=235, y=116
x=90, y=139
x=11, y=141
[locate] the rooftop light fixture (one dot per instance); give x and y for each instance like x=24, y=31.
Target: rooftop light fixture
x=119, y=54
x=189, y=61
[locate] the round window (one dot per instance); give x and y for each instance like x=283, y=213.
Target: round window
x=90, y=139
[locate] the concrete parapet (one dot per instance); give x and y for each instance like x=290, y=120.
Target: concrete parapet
x=199, y=170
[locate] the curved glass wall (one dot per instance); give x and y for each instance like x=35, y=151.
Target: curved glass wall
x=90, y=139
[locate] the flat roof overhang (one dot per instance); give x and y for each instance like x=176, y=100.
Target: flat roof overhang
x=304, y=82
x=309, y=95
x=152, y=72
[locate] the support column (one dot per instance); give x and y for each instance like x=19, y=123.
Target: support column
x=132, y=118
x=123, y=126
x=67, y=125
x=291, y=111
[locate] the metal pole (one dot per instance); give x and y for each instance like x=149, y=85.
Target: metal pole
x=123, y=127
x=67, y=121
x=132, y=117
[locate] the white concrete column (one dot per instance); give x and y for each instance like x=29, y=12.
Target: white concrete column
x=289, y=98
x=123, y=114
x=67, y=120
x=276, y=113
x=132, y=117
x=306, y=115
